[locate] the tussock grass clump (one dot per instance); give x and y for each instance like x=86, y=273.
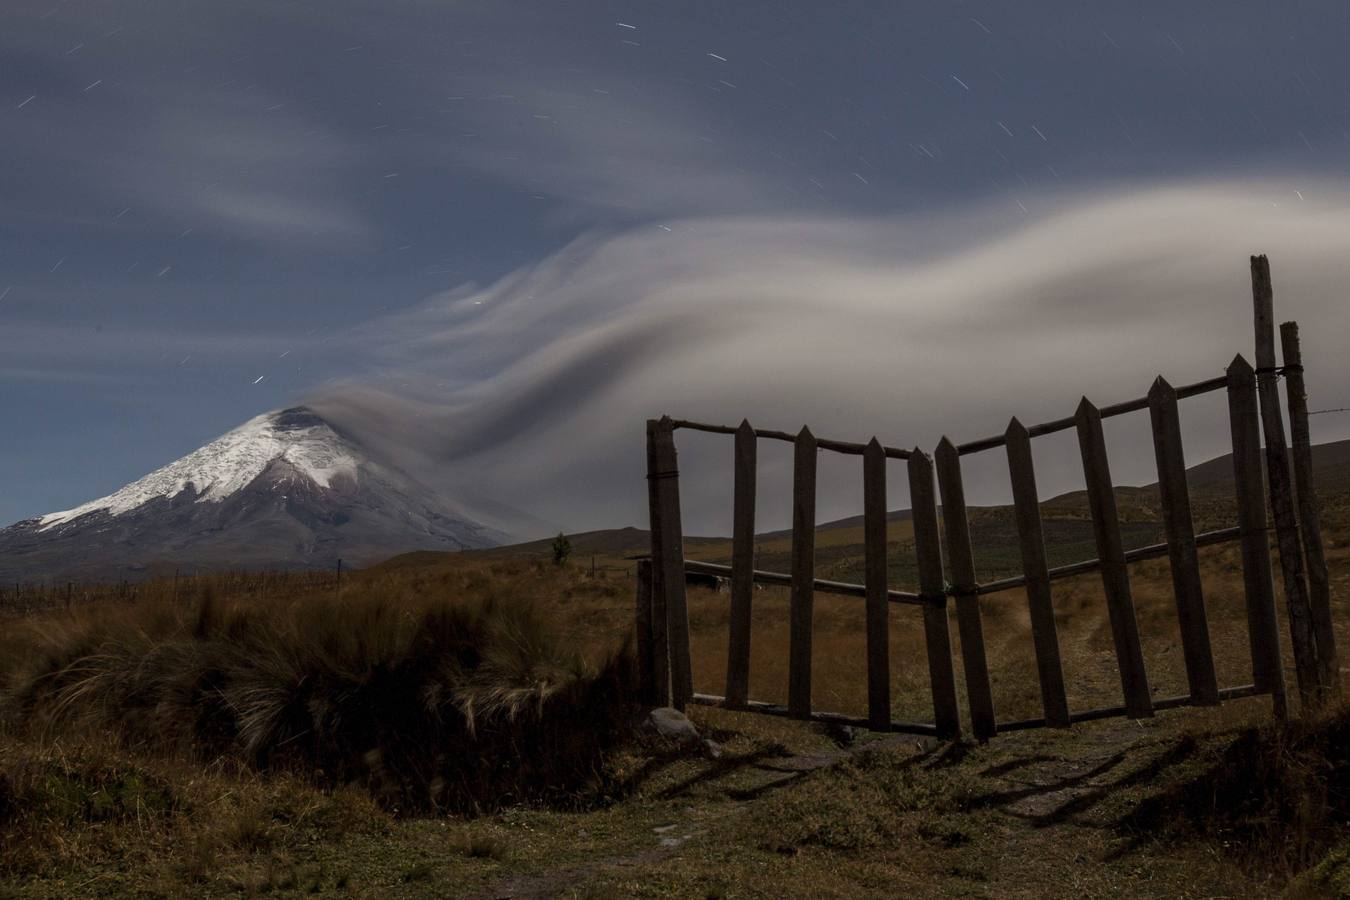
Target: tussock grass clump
x=431, y=704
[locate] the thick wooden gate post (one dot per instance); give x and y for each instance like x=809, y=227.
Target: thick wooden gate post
x=742, y=568
x=962, y=559
x=936, y=630
x=1263, y=630
x=1115, y=577
x=875, y=578
x=647, y=675
x=1281, y=489
x=660, y=638
x=1027, y=509
x=1183, y=558
x=668, y=557
x=803, y=574
x=1309, y=509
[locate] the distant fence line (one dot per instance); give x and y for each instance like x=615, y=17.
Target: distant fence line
x=22, y=598
x=1254, y=409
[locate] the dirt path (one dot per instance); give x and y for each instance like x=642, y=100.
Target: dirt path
x=667, y=840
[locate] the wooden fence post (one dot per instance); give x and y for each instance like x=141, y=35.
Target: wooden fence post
x=803, y=573
x=937, y=632
x=668, y=557
x=1111, y=552
x=875, y=577
x=660, y=650
x=1182, y=555
x=1281, y=489
x=1027, y=509
x=962, y=559
x=1263, y=629
x=647, y=676
x=1309, y=509
x=742, y=568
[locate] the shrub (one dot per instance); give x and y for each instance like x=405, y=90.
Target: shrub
x=562, y=549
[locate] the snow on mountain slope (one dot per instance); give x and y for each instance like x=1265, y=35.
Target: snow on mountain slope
x=232, y=461
x=284, y=490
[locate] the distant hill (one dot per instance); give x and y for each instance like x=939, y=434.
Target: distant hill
x=1068, y=532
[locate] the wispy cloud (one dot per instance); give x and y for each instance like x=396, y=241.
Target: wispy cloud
x=654, y=154
x=829, y=322
x=228, y=159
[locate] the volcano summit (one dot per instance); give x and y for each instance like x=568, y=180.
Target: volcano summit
x=284, y=490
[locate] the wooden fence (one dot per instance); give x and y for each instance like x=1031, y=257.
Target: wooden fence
x=1254, y=408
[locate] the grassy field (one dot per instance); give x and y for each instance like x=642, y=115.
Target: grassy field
x=1191, y=803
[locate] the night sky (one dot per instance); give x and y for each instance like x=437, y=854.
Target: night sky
x=493, y=238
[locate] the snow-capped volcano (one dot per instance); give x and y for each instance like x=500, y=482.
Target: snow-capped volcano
x=231, y=462
x=285, y=489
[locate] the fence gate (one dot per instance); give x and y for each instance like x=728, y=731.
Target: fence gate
x=1254, y=409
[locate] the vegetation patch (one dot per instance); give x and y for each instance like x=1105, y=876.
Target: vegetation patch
x=429, y=703
x=1277, y=795
x=856, y=806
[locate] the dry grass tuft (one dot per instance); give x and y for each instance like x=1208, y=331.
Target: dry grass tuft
x=428, y=702
x=1278, y=795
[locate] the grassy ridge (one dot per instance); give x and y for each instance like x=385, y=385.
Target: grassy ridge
x=429, y=702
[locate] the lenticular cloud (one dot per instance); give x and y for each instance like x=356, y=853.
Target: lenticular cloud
x=533, y=391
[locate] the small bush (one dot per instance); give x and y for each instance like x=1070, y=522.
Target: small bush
x=418, y=871
x=50, y=800
x=562, y=549
x=478, y=846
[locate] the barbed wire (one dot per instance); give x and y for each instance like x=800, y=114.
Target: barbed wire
x=1318, y=412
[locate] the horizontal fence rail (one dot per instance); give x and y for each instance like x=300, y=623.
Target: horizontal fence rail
x=783, y=579
x=848, y=447
x=1106, y=412
x=847, y=589
x=1111, y=712
x=854, y=448
x=1139, y=554
x=825, y=718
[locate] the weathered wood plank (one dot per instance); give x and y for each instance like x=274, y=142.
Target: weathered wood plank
x=803, y=573
x=875, y=577
x=824, y=718
x=1138, y=554
x=1309, y=509
x=647, y=690
x=822, y=586
x=962, y=559
x=1111, y=552
x=1182, y=555
x=846, y=447
x=742, y=567
x=1263, y=630
x=1027, y=510
x=1280, y=483
x=668, y=554
x=660, y=652
x=937, y=632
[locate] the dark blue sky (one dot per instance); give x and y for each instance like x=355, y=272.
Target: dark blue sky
x=197, y=195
